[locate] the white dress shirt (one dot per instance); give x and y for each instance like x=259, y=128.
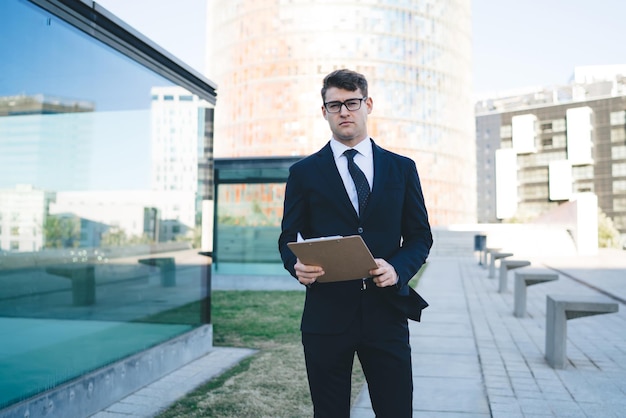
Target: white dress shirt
x=363, y=158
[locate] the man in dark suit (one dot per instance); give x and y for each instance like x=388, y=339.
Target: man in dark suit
x=381, y=200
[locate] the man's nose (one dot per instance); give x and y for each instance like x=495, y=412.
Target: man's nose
x=344, y=109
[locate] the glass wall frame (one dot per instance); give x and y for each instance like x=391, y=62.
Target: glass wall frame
x=249, y=195
x=99, y=268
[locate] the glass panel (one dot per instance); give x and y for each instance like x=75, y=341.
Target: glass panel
x=247, y=230
x=99, y=201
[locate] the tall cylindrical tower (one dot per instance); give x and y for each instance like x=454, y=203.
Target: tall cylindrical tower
x=268, y=58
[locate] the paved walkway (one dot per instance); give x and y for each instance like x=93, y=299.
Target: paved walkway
x=471, y=357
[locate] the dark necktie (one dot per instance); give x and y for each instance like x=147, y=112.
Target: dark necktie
x=360, y=181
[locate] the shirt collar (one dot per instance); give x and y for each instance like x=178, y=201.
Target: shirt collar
x=364, y=147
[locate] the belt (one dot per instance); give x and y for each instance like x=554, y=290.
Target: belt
x=367, y=283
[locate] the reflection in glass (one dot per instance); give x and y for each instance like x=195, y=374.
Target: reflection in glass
x=247, y=229
x=99, y=204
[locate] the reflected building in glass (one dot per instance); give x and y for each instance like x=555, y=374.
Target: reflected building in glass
x=90, y=239
x=177, y=120
x=269, y=59
x=45, y=141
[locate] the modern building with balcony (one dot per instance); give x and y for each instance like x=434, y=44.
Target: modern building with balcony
x=542, y=148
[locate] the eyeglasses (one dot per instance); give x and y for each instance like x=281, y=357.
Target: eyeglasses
x=351, y=104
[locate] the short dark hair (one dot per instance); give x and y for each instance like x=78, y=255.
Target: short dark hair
x=345, y=79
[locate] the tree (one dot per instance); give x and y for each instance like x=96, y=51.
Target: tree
x=608, y=234
x=61, y=231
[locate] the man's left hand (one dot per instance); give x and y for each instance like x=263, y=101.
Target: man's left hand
x=385, y=275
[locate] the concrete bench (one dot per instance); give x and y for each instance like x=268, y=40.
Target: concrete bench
x=83, y=280
x=488, y=252
x=505, y=266
x=496, y=255
x=559, y=309
x=527, y=277
x=167, y=267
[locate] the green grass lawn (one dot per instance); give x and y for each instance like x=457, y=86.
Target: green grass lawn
x=271, y=383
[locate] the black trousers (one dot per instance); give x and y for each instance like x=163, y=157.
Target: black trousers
x=385, y=358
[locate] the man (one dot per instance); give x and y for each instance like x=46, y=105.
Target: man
x=386, y=207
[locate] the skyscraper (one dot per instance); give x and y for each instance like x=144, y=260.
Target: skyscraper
x=268, y=59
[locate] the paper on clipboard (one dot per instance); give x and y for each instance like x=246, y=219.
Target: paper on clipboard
x=342, y=258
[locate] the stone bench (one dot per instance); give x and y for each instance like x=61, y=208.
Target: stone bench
x=167, y=267
x=559, y=309
x=496, y=255
x=505, y=266
x=83, y=280
x=527, y=277
x=488, y=252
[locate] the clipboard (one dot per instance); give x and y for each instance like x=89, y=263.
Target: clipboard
x=342, y=258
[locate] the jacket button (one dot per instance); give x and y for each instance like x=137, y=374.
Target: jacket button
x=359, y=230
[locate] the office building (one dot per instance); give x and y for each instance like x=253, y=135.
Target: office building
x=269, y=59
x=538, y=149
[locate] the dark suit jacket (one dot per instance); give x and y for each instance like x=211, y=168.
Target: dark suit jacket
x=394, y=226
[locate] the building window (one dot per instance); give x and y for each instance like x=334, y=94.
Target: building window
x=619, y=186
x=618, y=152
x=619, y=170
x=618, y=118
x=546, y=127
x=618, y=135
x=559, y=141
x=558, y=125
x=582, y=172
x=505, y=131
x=619, y=204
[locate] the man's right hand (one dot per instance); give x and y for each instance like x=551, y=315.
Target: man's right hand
x=307, y=275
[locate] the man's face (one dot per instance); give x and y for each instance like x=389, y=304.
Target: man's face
x=347, y=126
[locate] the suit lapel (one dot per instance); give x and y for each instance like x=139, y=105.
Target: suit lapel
x=330, y=178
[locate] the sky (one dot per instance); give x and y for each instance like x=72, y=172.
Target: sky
x=516, y=43
x=525, y=43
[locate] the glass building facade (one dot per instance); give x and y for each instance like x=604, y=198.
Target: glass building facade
x=269, y=59
x=105, y=170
